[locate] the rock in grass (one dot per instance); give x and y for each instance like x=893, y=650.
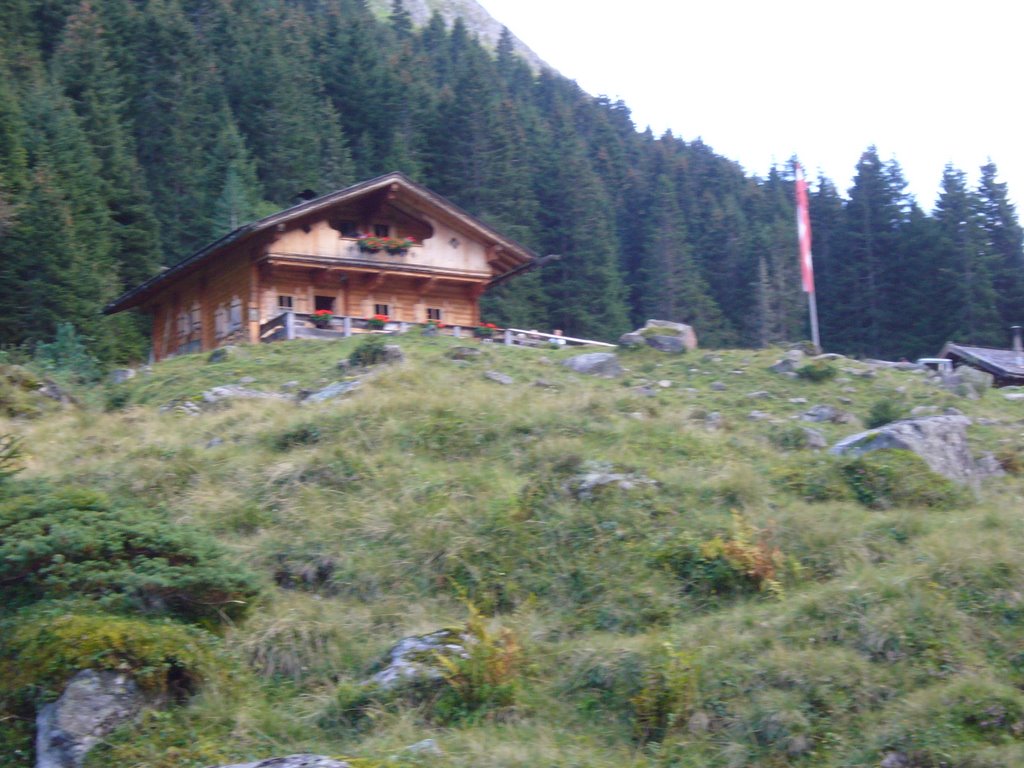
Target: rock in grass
x=292, y=761
x=501, y=378
x=337, y=389
x=604, y=364
x=92, y=705
x=121, y=375
x=463, y=353
x=822, y=413
x=671, y=344
x=238, y=392
x=815, y=439
x=222, y=354
x=413, y=661
x=941, y=441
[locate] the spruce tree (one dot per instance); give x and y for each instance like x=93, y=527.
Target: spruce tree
x=964, y=253
x=1005, y=242
x=87, y=74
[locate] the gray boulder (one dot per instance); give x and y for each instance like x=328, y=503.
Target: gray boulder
x=988, y=465
x=815, y=439
x=498, y=376
x=393, y=353
x=677, y=330
x=968, y=382
x=292, y=761
x=595, y=364
x=671, y=344
x=92, y=705
x=941, y=441
x=238, y=392
x=222, y=354
x=121, y=375
x=632, y=339
x=786, y=365
x=597, y=476
x=412, y=661
x=463, y=353
x=823, y=413
x=337, y=389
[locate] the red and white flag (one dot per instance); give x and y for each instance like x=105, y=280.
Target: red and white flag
x=803, y=229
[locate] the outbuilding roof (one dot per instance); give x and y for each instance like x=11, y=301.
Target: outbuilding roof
x=1006, y=365
x=515, y=257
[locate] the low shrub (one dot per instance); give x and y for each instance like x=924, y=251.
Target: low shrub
x=743, y=561
x=789, y=438
x=818, y=371
x=885, y=412
x=485, y=681
x=879, y=480
x=10, y=456
x=894, y=478
x=56, y=544
x=297, y=436
x=668, y=694
x=43, y=646
x=369, y=352
x=814, y=478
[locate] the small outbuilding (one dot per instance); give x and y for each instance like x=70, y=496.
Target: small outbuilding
x=1005, y=365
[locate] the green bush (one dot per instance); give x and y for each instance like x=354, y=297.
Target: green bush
x=789, y=438
x=814, y=478
x=742, y=561
x=76, y=543
x=483, y=682
x=818, y=371
x=68, y=356
x=894, y=478
x=42, y=647
x=369, y=352
x=885, y=412
x=10, y=455
x=19, y=392
x=297, y=436
x=667, y=695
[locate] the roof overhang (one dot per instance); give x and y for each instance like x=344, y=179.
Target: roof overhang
x=1006, y=365
x=508, y=256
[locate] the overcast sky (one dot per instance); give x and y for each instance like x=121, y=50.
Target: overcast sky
x=928, y=83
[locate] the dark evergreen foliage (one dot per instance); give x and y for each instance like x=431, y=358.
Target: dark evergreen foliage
x=132, y=132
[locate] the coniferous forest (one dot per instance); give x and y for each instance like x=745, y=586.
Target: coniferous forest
x=132, y=132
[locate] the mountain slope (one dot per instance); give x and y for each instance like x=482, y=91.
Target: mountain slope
x=648, y=584
x=477, y=19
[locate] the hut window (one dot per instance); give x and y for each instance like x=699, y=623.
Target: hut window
x=285, y=302
x=433, y=313
x=381, y=309
x=381, y=230
x=235, y=314
x=346, y=227
x=323, y=302
x=220, y=322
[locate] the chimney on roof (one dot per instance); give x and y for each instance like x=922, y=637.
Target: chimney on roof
x=1018, y=346
x=303, y=197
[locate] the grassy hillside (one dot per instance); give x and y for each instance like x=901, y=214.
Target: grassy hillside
x=649, y=584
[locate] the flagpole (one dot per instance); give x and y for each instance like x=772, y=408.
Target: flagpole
x=803, y=229
x=812, y=306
